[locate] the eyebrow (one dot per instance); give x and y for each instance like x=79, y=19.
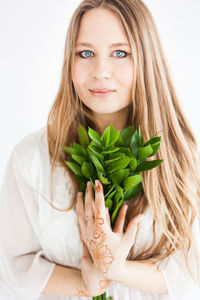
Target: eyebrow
x=112, y=45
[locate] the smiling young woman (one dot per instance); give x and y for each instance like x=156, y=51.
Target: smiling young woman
x=114, y=71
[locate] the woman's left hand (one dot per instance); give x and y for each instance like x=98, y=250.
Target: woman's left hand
x=108, y=248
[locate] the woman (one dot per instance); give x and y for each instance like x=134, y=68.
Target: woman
x=114, y=71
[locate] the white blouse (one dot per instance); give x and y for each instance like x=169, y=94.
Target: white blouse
x=34, y=236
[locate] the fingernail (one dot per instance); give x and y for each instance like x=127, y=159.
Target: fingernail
x=125, y=207
x=87, y=186
x=97, y=186
x=139, y=220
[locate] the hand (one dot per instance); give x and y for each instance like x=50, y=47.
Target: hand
x=93, y=282
x=92, y=279
x=108, y=248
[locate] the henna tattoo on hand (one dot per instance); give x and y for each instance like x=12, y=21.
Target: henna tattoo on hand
x=99, y=250
x=82, y=293
x=103, y=284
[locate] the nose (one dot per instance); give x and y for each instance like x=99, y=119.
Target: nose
x=102, y=69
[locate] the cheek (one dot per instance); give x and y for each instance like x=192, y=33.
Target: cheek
x=79, y=74
x=124, y=74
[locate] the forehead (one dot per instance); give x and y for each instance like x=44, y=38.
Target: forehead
x=101, y=26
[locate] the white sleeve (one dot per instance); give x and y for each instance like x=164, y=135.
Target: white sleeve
x=24, y=271
x=178, y=280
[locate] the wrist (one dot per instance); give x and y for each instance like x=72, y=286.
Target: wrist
x=82, y=289
x=119, y=273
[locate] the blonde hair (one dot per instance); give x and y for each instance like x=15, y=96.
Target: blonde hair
x=172, y=190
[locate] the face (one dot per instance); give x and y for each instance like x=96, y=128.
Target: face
x=100, y=65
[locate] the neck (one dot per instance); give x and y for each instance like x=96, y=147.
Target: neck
x=118, y=120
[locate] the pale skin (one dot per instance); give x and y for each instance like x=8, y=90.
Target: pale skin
x=108, y=249
x=104, y=61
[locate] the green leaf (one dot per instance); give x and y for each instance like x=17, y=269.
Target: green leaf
x=144, y=152
x=103, y=179
x=115, y=212
x=155, y=147
x=118, y=176
x=153, y=140
x=81, y=179
x=121, y=163
x=141, y=161
x=79, y=159
x=110, y=150
x=135, y=144
x=108, y=203
x=116, y=155
x=126, y=134
x=68, y=149
x=106, y=162
x=74, y=167
x=114, y=135
x=131, y=181
x=140, y=138
x=95, y=137
x=87, y=169
x=83, y=136
x=111, y=195
x=119, y=193
x=133, y=164
x=95, y=151
x=96, y=161
x=130, y=194
x=106, y=137
x=79, y=150
x=109, y=191
x=119, y=142
x=126, y=151
x=82, y=188
x=148, y=165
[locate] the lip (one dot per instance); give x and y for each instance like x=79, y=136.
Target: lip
x=101, y=92
x=104, y=90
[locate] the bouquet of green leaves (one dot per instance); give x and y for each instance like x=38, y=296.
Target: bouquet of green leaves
x=116, y=158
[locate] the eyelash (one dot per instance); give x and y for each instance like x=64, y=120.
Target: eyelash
x=79, y=54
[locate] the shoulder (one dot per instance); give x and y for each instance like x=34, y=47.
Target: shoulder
x=30, y=154
x=31, y=144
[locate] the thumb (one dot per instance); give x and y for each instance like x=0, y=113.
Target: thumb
x=132, y=228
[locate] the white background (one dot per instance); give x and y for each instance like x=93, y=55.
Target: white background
x=32, y=38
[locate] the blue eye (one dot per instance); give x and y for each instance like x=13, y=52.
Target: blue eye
x=87, y=53
x=119, y=52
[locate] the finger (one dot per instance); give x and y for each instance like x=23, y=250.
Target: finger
x=89, y=203
x=80, y=209
x=108, y=217
x=119, y=224
x=132, y=228
x=100, y=209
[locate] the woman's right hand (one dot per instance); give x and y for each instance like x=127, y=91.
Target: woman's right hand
x=92, y=282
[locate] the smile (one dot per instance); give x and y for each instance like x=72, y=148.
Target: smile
x=101, y=94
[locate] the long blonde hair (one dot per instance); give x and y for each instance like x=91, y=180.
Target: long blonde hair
x=172, y=190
